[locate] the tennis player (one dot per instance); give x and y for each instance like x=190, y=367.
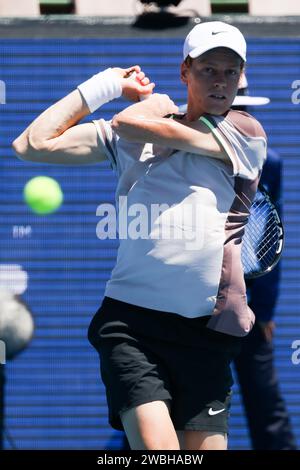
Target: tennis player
x=175, y=307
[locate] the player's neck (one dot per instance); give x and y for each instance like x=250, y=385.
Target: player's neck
x=193, y=114
x=194, y=110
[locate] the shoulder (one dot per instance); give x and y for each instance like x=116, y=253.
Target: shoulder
x=246, y=124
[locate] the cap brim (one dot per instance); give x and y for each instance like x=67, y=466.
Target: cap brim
x=239, y=101
x=248, y=100
x=214, y=45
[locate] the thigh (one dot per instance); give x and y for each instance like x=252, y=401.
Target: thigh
x=132, y=376
x=202, y=391
x=130, y=363
x=149, y=426
x=202, y=440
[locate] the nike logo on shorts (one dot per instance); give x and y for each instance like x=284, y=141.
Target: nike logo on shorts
x=212, y=412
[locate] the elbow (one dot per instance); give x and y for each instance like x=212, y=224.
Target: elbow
x=21, y=147
x=27, y=147
x=127, y=127
x=115, y=122
x=119, y=124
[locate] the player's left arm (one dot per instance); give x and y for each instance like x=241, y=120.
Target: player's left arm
x=146, y=122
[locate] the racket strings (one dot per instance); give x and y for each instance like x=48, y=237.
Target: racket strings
x=269, y=239
x=261, y=238
x=267, y=247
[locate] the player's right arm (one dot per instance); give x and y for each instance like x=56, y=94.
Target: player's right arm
x=56, y=135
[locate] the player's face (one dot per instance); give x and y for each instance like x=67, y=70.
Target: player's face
x=212, y=80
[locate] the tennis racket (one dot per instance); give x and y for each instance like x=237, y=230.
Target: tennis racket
x=263, y=239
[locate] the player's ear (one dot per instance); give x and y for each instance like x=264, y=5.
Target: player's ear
x=184, y=72
x=243, y=81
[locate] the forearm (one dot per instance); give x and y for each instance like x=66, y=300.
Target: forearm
x=144, y=129
x=53, y=122
x=55, y=137
x=142, y=123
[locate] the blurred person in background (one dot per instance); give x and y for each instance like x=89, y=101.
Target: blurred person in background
x=16, y=331
x=267, y=416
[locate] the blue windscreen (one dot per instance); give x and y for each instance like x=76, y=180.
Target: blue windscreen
x=54, y=395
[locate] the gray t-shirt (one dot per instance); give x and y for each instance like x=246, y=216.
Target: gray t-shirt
x=188, y=260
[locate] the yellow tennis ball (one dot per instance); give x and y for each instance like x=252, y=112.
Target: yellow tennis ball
x=43, y=195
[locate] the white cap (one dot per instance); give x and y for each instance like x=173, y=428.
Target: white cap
x=244, y=99
x=206, y=36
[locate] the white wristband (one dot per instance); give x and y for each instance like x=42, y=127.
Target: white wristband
x=100, y=88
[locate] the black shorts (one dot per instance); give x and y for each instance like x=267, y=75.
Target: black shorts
x=148, y=355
